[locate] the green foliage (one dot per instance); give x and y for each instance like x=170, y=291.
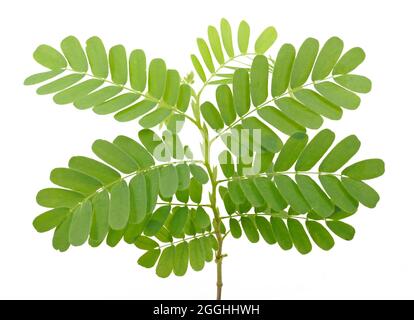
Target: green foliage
x=155, y=93
x=279, y=182
x=298, y=195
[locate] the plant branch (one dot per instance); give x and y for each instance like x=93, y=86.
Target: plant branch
x=135, y=173
x=264, y=104
x=139, y=93
x=272, y=174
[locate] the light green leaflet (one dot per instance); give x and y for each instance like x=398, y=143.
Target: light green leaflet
x=277, y=179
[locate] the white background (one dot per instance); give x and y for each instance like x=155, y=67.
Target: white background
x=37, y=135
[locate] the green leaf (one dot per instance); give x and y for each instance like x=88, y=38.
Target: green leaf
x=138, y=70
x=341, y=229
x=214, y=39
x=50, y=219
x=100, y=220
x=250, y=229
x=281, y=233
x=338, y=95
x=72, y=49
x=315, y=149
x=166, y=262
x=338, y=193
x=226, y=163
x=265, y=229
x=81, y=224
x=133, y=231
x=290, y=152
x=365, y=169
x=303, y=64
x=199, y=173
x=154, y=144
x=198, y=68
x=265, y=40
x=114, y=156
x=155, y=117
x=120, y=206
x=315, y=196
x=290, y=191
x=319, y=104
x=224, y=100
x=280, y=121
x=145, y=243
x=205, y=54
x=137, y=152
x=74, y=53
x=258, y=80
x=61, y=235
x=49, y=57
x=299, y=237
x=228, y=202
x=138, y=198
x=77, y=91
x=97, y=97
x=97, y=57
x=40, y=77
x=301, y=114
x=58, y=198
x=196, y=255
x=320, y=235
x=211, y=115
x=95, y=169
x=201, y=218
x=168, y=181
x=354, y=82
x=157, y=220
x=236, y=192
x=243, y=36
x=269, y=140
x=152, y=179
x=149, y=258
x=235, y=228
x=196, y=190
x=327, y=58
x=118, y=64
x=184, y=97
x=227, y=37
x=74, y=180
x=115, y=104
x=183, y=172
x=178, y=221
x=59, y=84
x=282, y=69
x=114, y=237
x=361, y=192
x=270, y=193
x=164, y=235
x=157, y=75
x=349, y=61
x=252, y=193
x=207, y=249
x=181, y=259
x=340, y=214
x=172, y=87
x=340, y=154
x=241, y=91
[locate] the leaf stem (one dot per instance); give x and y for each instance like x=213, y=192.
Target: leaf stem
x=186, y=239
x=272, y=174
x=135, y=173
x=147, y=96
